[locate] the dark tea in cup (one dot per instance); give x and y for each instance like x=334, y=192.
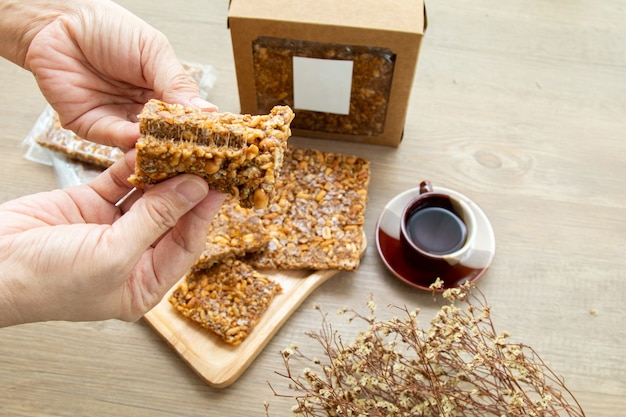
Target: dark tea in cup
x=436, y=228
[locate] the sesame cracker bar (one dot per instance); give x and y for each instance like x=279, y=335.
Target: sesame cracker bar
x=316, y=219
x=228, y=299
x=237, y=154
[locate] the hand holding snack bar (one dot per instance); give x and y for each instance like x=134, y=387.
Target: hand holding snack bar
x=75, y=255
x=96, y=63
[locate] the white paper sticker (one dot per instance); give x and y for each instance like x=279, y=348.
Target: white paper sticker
x=322, y=85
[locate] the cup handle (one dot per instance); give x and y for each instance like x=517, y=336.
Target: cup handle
x=426, y=187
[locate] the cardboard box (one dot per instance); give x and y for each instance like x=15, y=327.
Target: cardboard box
x=346, y=67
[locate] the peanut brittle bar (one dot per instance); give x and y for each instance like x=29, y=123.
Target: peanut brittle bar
x=67, y=142
x=235, y=231
x=316, y=219
x=237, y=154
x=228, y=299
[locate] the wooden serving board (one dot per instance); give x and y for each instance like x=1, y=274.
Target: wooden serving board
x=217, y=362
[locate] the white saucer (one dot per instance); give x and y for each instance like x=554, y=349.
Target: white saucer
x=389, y=246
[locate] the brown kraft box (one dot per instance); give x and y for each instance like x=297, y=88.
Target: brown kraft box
x=346, y=67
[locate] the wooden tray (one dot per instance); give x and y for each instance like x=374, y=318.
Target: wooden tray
x=218, y=363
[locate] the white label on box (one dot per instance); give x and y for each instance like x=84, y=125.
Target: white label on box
x=322, y=85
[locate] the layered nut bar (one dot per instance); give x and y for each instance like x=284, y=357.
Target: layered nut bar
x=237, y=154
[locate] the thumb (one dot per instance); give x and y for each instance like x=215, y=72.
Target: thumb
x=164, y=233
x=178, y=86
x=160, y=208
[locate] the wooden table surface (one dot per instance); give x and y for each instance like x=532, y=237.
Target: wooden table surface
x=521, y=106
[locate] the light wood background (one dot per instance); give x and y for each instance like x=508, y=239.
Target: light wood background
x=520, y=105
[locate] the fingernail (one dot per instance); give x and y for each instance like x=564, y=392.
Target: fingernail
x=191, y=191
x=203, y=104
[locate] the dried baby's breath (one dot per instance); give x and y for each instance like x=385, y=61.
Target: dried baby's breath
x=459, y=366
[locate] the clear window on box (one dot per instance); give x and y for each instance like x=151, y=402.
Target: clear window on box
x=333, y=88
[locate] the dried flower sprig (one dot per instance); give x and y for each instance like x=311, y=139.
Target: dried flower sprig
x=460, y=366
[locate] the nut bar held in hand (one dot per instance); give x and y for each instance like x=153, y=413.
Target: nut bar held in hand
x=236, y=154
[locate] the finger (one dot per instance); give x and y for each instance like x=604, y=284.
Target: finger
x=160, y=208
x=181, y=92
x=116, y=131
x=194, y=102
x=112, y=185
x=173, y=84
x=187, y=239
x=129, y=199
x=159, y=268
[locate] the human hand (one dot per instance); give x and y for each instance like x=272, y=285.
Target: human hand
x=75, y=255
x=97, y=64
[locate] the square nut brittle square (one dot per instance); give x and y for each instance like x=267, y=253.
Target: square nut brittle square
x=236, y=154
x=316, y=220
x=228, y=299
x=234, y=232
